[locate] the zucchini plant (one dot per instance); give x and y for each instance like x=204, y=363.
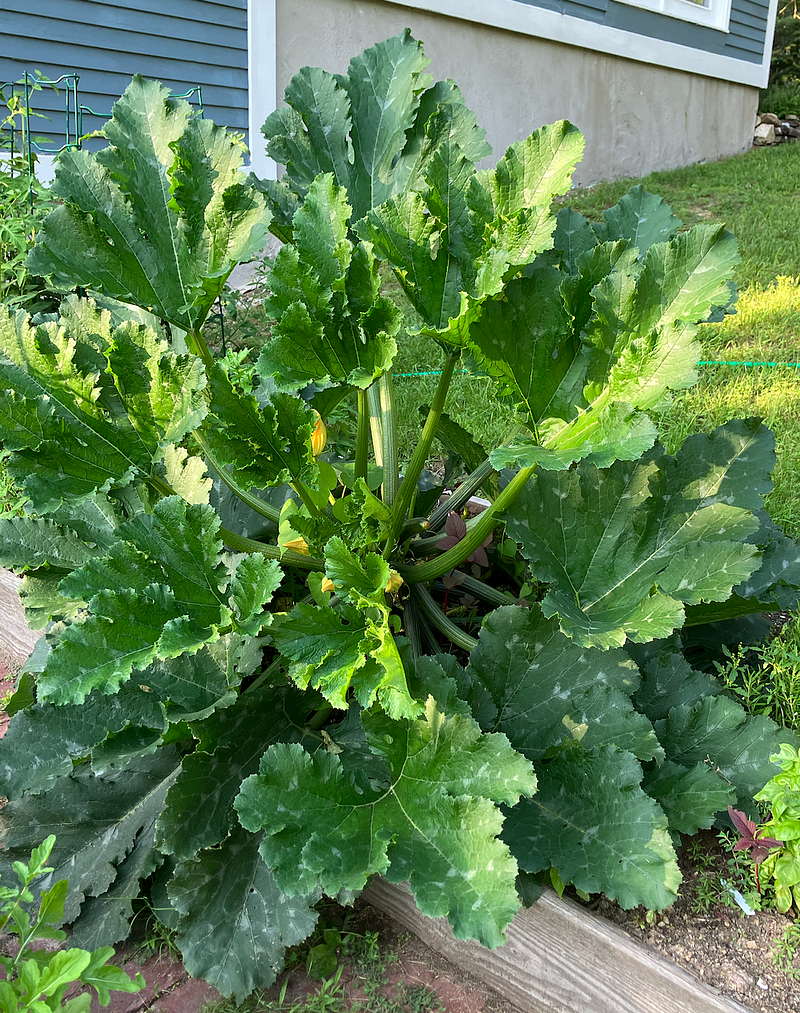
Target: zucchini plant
x=252, y=689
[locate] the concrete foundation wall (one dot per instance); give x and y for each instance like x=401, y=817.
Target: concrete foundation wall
x=636, y=117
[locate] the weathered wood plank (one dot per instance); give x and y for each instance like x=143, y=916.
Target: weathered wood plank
x=560, y=958
x=16, y=640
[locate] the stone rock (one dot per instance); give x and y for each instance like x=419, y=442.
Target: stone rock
x=770, y=118
x=764, y=134
x=735, y=978
x=792, y=120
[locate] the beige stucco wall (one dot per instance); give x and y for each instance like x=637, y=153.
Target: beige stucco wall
x=636, y=117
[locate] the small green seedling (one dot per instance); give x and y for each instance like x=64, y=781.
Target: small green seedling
x=37, y=980
x=783, y=795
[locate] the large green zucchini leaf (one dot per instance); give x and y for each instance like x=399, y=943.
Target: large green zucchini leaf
x=230, y=744
x=452, y=242
x=640, y=217
x=690, y=796
x=617, y=335
x=162, y=591
x=541, y=689
x=41, y=742
x=97, y=820
x=88, y=413
x=235, y=922
x=668, y=680
x=265, y=445
x=591, y=820
x=719, y=732
x=160, y=216
x=627, y=547
x=432, y=822
x=366, y=128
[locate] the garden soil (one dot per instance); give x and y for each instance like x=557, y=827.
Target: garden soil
x=720, y=945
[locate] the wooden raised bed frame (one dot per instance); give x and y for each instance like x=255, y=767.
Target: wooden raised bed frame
x=561, y=958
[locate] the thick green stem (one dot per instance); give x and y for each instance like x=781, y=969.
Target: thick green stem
x=320, y=716
x=266, y=674
x=289, y=556
x=411, y=624
x=376, y=428
x=454, y=557
x=157, y=483
x=197, y=344
x=462, y=495
x=391, y=469
x=434, y=614
x=265, y=509
x=305, y=496
x=420, y=455
x=362, y=436
x=486, y=593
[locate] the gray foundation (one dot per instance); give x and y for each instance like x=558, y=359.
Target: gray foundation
x=636, y=117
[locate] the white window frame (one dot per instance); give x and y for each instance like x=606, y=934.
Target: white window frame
x=714, y=14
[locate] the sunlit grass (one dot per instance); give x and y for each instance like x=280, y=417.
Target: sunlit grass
x=765, y=327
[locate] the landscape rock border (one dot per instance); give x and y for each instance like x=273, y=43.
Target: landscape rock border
x=771, y=129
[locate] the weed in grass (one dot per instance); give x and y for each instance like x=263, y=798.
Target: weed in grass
x=157, y=940
x=423, y=1000
x=731, y=883
x=785, y=951
x=699, y=854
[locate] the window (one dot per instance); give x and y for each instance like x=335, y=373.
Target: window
x=709, y=13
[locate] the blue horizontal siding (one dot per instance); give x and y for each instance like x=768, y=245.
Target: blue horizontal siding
x=225, y=12
x=744, y=41
x=182, y=43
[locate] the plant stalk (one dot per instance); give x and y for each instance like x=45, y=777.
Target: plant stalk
x=197, y=344
x=391, y=469
x=462, y=495
x=241, y=544
x=362, y=436
x=376, y=428
x=409, y=485
x=432, y=612
x=265, y=509
x=432, y=568
x=411, y=623
x=305, y=496
x=486, y=593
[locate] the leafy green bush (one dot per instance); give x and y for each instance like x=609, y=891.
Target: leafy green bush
x=782, y=96
x=24, y=204
x=785, y=61
x=782, y=792
x=254, y=688
x=37, y=980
